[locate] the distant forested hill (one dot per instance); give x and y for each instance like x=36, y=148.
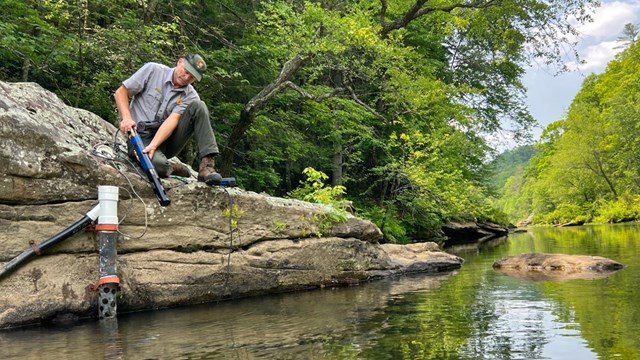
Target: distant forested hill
x=506, y=164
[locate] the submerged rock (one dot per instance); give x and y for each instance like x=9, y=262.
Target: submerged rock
x=541, y=266
x=209, y=244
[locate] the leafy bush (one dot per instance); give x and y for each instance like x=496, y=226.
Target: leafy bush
x=314, y=190
x=393, y=229
x=626, y=208
x=565, y=213
x=494, y=215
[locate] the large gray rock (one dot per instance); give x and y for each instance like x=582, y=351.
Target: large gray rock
x=188, y=254
x=458, y=233
x=540, y=266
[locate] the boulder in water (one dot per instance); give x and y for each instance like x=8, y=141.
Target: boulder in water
x=541, y=266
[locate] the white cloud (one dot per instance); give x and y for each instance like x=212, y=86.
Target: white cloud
x=595, y=41
x=596, y=57
x=549, y=96
x=609, y=19
x=597, y=45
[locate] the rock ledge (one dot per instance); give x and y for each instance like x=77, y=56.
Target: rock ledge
x=189, y=254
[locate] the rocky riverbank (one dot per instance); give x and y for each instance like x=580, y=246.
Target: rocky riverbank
x=209, y=244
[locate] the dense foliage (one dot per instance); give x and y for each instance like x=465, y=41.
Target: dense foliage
x=392, y=99
x=588, y=165
x=508, y=163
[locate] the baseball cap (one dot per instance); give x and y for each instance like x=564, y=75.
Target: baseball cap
x=195, y=65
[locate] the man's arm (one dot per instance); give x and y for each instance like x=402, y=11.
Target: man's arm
x=122, y=103
x=164, y=131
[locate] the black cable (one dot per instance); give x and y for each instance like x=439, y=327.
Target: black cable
x=117, y=148
x=228, y=272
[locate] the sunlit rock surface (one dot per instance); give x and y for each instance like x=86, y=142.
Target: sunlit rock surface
x=540, y=266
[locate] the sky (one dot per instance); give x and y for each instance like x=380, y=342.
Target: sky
x=549, y=95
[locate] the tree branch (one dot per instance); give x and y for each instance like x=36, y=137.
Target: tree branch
x=603, y=173
x=419, y=9
x=310, y=96
x=248, y=114
x=383, y=11
x=363, y=104
x=288, y=70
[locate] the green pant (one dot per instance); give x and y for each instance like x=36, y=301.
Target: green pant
x=193, y=122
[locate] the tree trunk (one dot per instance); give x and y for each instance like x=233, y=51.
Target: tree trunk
x=338, y=157
x=602, y=173
x=237, y=134
x=150, y=11
x=337, y=166
x=248, y=114
x=26, y=66
x=287, y=177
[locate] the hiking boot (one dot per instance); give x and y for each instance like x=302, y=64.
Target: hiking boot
x=180, y=169
x=207, y=173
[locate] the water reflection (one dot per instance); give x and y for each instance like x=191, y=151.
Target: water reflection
x=477, y=247
x=292, y=325
x=111, y=340
x=473, y=313
x=553, y=275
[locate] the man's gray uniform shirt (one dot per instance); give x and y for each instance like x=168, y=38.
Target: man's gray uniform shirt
x=154, y=96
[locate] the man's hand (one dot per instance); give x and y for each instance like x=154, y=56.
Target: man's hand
x=126, y=125
x=149, y=150
x=122, y=103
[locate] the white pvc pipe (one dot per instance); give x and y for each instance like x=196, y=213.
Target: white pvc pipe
x=108, y=202
x=94, y=213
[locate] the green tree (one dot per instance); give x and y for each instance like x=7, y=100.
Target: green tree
x=496, y=31
x=629, y=35
x=508, y=163
x=390, y=98
x=588, y=166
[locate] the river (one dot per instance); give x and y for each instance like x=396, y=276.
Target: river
x=472, y=313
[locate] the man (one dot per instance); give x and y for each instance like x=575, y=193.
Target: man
x=166, y=111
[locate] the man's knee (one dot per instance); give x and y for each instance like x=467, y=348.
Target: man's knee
x=163, y=168
x=199, y=109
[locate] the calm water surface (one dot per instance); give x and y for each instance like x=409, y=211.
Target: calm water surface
x=472, y=313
